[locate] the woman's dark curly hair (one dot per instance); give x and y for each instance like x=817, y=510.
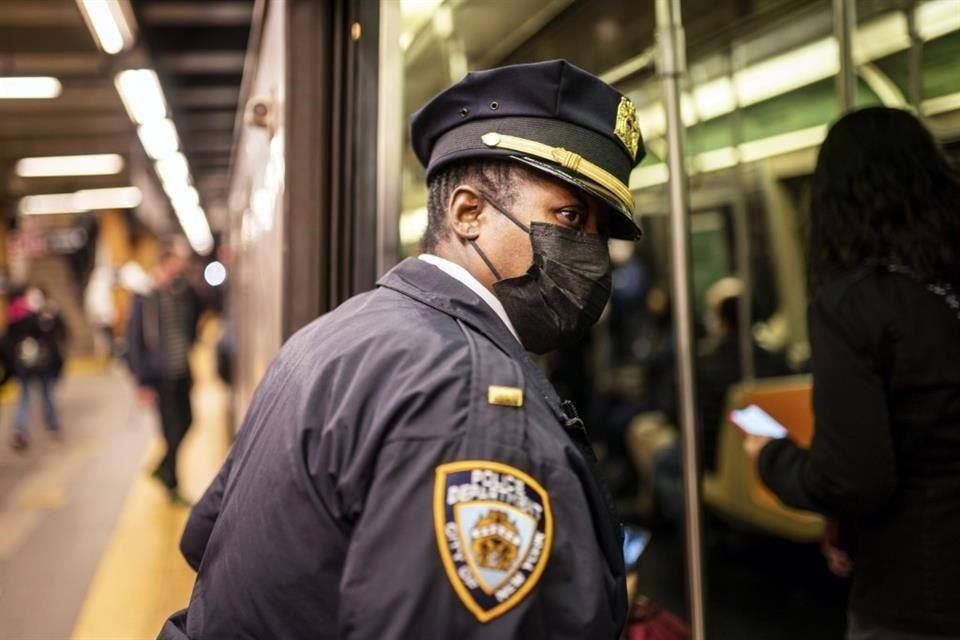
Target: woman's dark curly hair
x=883, y=192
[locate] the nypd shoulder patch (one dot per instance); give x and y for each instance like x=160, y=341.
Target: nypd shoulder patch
x=494, y=529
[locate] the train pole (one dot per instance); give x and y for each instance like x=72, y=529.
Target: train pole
x=844, y=22
x=916, y=60
x=671, y=67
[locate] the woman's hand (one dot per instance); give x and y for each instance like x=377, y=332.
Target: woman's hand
x=752, y=445
x=147, y=397
x=838, y=561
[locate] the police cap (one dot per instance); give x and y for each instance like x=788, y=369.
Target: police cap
x=552, y=116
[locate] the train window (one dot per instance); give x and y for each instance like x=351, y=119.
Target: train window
x=759, y=96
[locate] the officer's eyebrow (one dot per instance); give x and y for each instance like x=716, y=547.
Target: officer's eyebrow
x=580, y=197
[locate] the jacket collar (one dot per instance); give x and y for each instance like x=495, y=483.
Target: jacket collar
x=426, y=283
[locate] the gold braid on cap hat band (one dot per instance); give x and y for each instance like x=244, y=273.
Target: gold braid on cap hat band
x=566, y=159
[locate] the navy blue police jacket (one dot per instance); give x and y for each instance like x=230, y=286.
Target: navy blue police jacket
x=405, y=471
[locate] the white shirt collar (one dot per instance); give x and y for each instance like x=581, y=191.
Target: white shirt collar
x=457, y=272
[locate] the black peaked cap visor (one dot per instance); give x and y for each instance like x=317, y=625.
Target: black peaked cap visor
x=608, y=179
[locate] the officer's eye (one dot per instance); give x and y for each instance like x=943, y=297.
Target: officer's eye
x=572, y=217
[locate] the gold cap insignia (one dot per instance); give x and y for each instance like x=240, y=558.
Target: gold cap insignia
x=627, y=127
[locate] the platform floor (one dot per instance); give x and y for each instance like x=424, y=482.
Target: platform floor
x=88, y=541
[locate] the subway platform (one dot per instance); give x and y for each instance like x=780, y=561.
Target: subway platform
x=88, y=541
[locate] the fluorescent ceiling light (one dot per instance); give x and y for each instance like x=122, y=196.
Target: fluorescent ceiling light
x=194, y=223
x=933, y=106
x=185, y=198
x=648, y=176
x=106, y=21
x=653, y=120
x=173, y=169
x=80, y=201
x=881, y=37
x=714, y=98
x=805, y=65
x=727, y=157
x=29, y=87
x=141, y=94
x=938, y=18
x=688, y=110
x=717, y=159
x=781, y=74
x=783, y=143
x=159, y=139
x=90, y=165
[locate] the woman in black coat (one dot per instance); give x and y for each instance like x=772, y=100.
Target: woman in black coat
x=884, y=324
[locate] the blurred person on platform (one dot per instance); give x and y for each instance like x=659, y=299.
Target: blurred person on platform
x=35, y=342
x=100, y=308
x=160, y=333
x=884, y=326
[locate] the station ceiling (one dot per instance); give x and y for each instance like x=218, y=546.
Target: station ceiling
x=197, y=49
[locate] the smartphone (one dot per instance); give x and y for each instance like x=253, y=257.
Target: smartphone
x=635, y=541
x=755, y=421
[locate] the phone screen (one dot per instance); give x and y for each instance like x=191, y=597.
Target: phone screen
x=635, y=541
x=758, y=422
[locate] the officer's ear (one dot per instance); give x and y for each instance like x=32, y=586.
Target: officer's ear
x=464, y=212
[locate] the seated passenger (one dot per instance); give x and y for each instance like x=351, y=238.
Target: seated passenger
x=719, y=368
x=719, y=364
x=884, y=325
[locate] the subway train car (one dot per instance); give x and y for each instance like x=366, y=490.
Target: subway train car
x=759, y=93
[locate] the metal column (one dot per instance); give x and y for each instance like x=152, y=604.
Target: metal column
x=390, y=127
x=844, y=22
x=916, y=60
x=672, y=65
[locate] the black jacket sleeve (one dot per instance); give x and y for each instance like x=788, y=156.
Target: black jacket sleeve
x=850, y=468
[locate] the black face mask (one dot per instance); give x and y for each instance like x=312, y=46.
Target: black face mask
x=563, y=292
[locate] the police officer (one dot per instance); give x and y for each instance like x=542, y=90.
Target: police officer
x=405, y=471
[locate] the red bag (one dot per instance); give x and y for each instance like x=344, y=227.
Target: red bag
x=650, y=622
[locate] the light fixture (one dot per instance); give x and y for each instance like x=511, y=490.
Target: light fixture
x=714, y=98
x=648, y=176
x=942, y=104
x=29, y=87
x=143, y=98
x=141, y=94
x=103, y=164
x=107, y=23
x=716, y=159
x=81, y=201
x=173, y=169
x=215, y=274
x=881, y=37
x=937, y=18
x=726, y=157
x=778, y=75
x=193, y=221
x=159, y=139
x=184, y=198
x=783, y=143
